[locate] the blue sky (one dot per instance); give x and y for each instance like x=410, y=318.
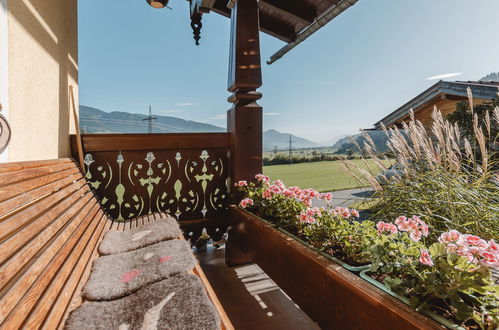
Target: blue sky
x=363, y=65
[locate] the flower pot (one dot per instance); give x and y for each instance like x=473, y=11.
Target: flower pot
x=440, y=319
x=331, y=295
x=354, y=269
x=202, y=244
x=256, y=216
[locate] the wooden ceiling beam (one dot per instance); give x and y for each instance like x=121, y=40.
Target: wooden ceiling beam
x=277, y=28
x=268, y=24
x=299, y=11
x=220, y=7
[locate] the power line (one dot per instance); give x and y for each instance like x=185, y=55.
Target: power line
x=149, y=120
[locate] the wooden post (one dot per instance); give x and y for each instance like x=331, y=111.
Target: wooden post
x=77, y=129
x=244, y=119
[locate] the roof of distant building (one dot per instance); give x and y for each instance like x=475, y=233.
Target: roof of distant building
x=485, y=90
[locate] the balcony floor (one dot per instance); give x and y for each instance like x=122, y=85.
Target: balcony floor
x=250, y=298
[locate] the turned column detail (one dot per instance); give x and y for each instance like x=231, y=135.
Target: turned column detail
x=244, y=119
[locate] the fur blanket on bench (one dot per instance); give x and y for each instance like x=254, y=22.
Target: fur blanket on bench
x=123, y=241
x=179, y=303
x=118, y=275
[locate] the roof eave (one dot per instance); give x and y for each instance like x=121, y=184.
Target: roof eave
x=479, y=91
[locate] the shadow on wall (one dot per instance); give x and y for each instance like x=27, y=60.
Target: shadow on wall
x=43, y=60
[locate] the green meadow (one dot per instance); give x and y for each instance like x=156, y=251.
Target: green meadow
x=322, y=176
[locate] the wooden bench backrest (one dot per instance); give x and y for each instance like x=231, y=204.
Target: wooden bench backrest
x=50, y=227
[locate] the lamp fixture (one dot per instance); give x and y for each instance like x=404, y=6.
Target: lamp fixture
x=157, y=3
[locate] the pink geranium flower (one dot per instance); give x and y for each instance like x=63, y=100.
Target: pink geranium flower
x=275, y=189
x=342, y=211
x=241, y=183
x=354, y=213
x=327, y=197
x=262, y=178
x=384, y=227
x=493, y=246
x=473, y=240
x=267, y=194
x=449, y=237
x=303, y=217
x=400, y=220
x=280, y=184
x=489, y=259
x=415, y=236
x=414, y=226
x=425, y=258
x=246, y=202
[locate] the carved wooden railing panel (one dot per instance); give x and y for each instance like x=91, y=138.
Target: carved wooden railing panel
x=185, y=175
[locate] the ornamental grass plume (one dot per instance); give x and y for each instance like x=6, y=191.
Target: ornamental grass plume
x=448, y=179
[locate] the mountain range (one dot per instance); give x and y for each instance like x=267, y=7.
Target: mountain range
x=346, y=146
x=93, y=120
x=273, y=139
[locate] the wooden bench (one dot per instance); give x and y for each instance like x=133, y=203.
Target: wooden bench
x=50, y=228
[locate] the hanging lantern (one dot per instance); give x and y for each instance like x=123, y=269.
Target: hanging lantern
x=157, y=3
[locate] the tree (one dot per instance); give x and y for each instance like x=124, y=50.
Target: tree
x=463, y=117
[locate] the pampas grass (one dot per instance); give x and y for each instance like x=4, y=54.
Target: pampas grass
x=442, y=177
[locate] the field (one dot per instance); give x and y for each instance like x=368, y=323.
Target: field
x=322, y=176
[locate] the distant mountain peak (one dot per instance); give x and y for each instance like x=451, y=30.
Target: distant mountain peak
x=494, y=76
x=273, y=138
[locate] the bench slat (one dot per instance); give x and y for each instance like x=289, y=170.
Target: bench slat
x=18, y=166
x=133, y=223
x=41, y=273
x=114, y=225
x=62, y=286
x=20, y=219
x=25, y=234
x=24, y=255
x=7, y=192
x=30, y=173
x=21, y=293
x=14, y=204
x=76, y=298
x=120, y=225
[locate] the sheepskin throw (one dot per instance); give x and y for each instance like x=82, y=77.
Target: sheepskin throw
x=179, y=303
x=123, y=241
x=118, y=275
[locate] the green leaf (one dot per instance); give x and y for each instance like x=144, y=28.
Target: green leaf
x=437, y=249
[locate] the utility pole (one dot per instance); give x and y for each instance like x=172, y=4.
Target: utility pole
x=149, y=120
x=290, y=142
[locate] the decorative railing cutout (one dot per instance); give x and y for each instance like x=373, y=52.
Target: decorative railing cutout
x=189, y=184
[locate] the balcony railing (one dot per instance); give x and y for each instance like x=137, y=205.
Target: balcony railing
x=184, y=174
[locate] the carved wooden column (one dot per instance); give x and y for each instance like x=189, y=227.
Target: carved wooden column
x=244, y=119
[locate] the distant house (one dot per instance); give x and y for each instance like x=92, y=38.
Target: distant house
x=444, y=95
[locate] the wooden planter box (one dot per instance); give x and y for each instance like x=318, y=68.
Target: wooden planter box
x=331, y=295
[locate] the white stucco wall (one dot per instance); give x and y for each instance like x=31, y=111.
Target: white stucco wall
x=4, y=68
x=43, y=62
